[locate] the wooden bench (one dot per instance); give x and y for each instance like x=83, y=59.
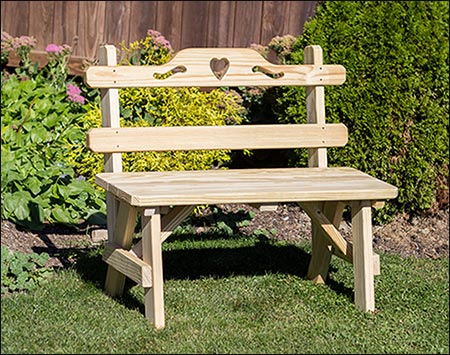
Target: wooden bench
x=164, y=199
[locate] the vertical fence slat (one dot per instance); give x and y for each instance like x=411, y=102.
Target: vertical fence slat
x=271, y=25
x=65, y=27
x=91, y=27
x=299, y=13
x=117, y=21
x=195, y=23
x=41, y=22
x=11, y=12
x=221, y=23
x=143, y=18
x=169, y=21
x=247, y=23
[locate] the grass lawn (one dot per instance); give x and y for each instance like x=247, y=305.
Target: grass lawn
x=234, y=295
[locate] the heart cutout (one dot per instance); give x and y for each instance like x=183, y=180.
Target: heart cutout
x=219, y=67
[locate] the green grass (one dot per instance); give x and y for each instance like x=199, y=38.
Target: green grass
x=234, y=295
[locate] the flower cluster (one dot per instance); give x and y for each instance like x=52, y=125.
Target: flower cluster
x=159, y=40
x=282, y=46
x=154, y=49
x=58, y=60
x=74, y=94
x=20, y=45
x=54, y=48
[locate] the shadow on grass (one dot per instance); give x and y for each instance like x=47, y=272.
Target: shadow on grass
x=221, y=262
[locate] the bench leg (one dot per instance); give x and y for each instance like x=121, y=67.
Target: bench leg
x=363, y=255
x=123, y=237
x=152, y=255
x=321, y=248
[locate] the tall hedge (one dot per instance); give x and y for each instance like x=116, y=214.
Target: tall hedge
x=396, y=96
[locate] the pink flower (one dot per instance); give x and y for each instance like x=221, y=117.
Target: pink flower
x=74, y=94
x=53, y=48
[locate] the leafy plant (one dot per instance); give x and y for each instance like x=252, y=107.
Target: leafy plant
x=395, y=99
x=23, y=272
x=38, y=121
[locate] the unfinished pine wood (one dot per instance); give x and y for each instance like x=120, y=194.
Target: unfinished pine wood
x=330, y=229
x=110, y=118
x=123, y=236
x=169, y=222
x=363, y=255
x=327, y=218
x=315, y=107
x=152, y=255
x=244, y=186
x=321, y=242
x=195, y=67
x=129, y=264
x=321, y=191
x=133, y=139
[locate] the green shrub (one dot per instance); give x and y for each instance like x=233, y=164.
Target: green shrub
x=395, y=99
x=143, y=107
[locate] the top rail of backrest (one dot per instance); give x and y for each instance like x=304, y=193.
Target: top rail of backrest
x=214, y=67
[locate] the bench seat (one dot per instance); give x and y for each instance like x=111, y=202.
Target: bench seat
x=244, y=186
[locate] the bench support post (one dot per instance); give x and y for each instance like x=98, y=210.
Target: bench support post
x=363, y=255
x=315, y=113
x=123, y=237
x=110, y=118
x=152, y=255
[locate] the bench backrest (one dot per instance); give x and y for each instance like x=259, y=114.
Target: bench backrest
x=215, y=67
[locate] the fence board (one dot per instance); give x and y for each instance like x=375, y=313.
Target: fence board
x=91, y=27
x=194, y=30
x=41, y=21
x=221, y=24
x=169, y=21
x=299, y=13
x=143, y=15
x=65, y=24
x=272, y=11
x=247, y=23
x=15, y=17
x=117, y=21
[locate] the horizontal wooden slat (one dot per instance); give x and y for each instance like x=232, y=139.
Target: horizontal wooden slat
x=244, y=186
x=132, y=139
x=201, y=67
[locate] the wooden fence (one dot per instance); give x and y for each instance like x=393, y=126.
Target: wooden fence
x=86, y=24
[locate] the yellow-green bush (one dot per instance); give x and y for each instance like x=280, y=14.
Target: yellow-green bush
x=162, y=107
x=144, y=107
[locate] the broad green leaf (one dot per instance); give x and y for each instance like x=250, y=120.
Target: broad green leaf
x=76, y=187
x=38, y=134
x=60, y=215
x=63, y=191
x=22, y=212
x=51, y=120
x=34, y=185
